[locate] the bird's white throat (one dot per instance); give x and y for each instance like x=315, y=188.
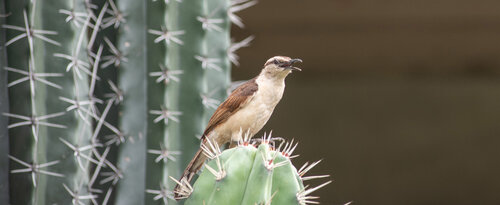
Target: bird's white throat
x=271, y=89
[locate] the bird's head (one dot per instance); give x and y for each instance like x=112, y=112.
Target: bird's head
x=280, y=66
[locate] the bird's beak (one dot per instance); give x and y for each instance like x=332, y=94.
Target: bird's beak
x=296, y=60
x=292, y=61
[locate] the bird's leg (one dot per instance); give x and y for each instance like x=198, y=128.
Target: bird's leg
x=232, y=144
x=258, y=141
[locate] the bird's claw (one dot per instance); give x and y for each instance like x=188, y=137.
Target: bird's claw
x=272, y=141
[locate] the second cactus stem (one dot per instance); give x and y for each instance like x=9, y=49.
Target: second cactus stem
x=197, y=73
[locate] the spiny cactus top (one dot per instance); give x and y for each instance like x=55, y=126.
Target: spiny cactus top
x=251, y=175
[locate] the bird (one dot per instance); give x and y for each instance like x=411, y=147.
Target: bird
x=247, y=108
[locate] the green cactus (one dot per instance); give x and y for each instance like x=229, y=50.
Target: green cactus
x=249, y=175
x=47, y=100
x=130, y=96
x=203, y=34
x=159, y=78
x=196, y=72
x=91, y=87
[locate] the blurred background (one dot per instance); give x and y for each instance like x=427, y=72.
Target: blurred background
x=400, y=98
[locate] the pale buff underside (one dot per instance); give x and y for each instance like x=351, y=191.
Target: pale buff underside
x=255, y=114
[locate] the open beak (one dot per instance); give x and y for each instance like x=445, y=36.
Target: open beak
x=291, y=62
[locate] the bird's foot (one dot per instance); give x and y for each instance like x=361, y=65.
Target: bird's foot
x=272, y=141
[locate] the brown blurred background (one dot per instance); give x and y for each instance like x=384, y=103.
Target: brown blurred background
x=400, y=98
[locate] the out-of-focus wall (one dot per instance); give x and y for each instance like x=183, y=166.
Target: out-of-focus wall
x=400, y=98
x=385, y=36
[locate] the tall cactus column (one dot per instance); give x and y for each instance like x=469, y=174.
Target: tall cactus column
x=199, y=50
x=123, y=94
x=159, y=77
x=50, y=144
x=72, y=144
x=132, y=84
x=18, y=135
x=184, y=96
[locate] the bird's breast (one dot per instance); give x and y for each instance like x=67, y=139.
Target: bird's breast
x=255, y=114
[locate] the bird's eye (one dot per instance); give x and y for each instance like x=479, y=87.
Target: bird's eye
x=276, y=61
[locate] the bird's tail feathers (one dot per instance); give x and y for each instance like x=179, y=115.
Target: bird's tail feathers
x=193, y=167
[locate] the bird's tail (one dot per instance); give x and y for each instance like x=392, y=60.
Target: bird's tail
x=193, y=167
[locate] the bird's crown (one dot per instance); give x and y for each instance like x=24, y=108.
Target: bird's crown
x=277, y=60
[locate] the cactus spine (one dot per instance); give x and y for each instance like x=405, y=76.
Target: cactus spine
x=248, y=175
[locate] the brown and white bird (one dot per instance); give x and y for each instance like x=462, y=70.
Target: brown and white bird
x=248, y=108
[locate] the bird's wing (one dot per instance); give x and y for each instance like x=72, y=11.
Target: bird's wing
x=239, y=98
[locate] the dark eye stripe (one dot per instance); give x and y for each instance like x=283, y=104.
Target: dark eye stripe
x=274, y=61
x=271, y=62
